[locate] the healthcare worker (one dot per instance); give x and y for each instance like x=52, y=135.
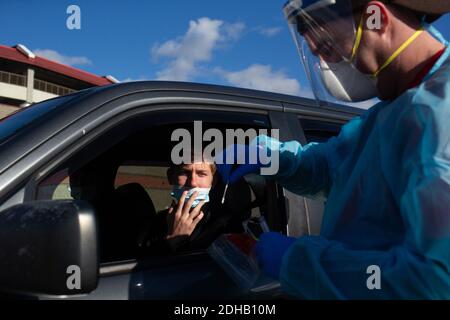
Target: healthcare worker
x=386, y=227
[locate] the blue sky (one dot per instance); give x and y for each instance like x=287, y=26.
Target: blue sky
x=240, y=43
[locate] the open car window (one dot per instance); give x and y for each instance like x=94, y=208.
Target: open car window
x=125, y=181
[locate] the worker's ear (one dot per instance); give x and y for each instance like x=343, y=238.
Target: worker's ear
x=377, y=16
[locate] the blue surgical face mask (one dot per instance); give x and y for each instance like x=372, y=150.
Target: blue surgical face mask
x=203, y=194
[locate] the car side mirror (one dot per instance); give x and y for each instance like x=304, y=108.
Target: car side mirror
x=48, y=247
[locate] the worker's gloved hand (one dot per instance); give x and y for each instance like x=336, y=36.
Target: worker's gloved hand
x=238, y=160
x=234, y=163
x=270, y=250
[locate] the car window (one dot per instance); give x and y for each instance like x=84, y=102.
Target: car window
x=319, y=131
x=152, y=178
x=125, y=182
x=17, y=121
x=55, y=187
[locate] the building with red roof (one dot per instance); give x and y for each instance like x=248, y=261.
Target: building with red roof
x=26, y=78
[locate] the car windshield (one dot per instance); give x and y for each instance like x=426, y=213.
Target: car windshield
x=24, y=117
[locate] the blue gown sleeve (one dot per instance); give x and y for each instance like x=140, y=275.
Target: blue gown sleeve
x=309, y=169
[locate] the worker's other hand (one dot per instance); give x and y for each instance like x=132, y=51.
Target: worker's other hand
x=270, y=250
x=182, y=219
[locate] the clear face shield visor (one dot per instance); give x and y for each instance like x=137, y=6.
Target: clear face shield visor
x=326, y=36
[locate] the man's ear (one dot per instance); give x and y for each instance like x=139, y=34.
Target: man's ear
x=377, y=16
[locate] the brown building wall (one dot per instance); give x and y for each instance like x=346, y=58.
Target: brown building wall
x=6, y=110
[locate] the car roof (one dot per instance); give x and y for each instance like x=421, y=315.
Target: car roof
x=82, y=103
x=139, y=86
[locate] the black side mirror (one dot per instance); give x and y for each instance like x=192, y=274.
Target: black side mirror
x=48, y=247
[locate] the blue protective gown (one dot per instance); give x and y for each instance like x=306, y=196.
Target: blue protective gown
x=387, y=181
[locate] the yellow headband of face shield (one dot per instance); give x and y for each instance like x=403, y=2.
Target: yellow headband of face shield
x=397, y=52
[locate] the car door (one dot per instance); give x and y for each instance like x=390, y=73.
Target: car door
x=190, y=275
x=305, y=213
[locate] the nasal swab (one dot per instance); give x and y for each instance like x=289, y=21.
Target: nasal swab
x=224, y=193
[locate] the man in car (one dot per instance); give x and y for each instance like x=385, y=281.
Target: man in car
x=192, y=221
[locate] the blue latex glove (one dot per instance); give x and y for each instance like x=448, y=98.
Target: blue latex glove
x=240, y=153
x=244, y=159
x=270, y=250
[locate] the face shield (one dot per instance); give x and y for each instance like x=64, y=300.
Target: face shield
x=327, y=37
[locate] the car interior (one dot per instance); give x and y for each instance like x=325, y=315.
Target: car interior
x=127, y=187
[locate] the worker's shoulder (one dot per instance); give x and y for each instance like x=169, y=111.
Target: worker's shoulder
x=439, y=78
x=433, y=96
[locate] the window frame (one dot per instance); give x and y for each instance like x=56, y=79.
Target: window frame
x=112, y=124
x=146, y=116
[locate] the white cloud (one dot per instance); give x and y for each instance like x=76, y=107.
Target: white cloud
x=262, y=77
x=269, y=32
x=134, y=79
x=194, y=47
x=68, y=60
x=233, y=31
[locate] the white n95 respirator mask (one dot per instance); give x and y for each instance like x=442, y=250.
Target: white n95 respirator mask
x=346, y=83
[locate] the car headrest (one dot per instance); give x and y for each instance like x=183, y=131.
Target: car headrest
x=93, y=183
x=133, y=199
x=238, y=198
